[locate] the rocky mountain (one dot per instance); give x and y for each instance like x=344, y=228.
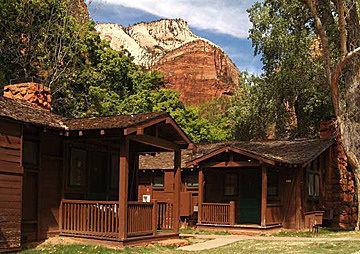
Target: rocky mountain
x=194, y=66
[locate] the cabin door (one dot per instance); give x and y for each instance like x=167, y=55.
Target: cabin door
x=249, y=197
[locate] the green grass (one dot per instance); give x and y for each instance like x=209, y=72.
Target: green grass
x=323, y=232
x=195, y=231
x=248, y=246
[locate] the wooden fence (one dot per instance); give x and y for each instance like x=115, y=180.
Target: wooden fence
x=218, y=213
x=89, y=218
x=165, y=213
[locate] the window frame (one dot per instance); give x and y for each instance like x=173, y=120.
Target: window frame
x=274, y=172
x=83, y=183
x=158, y=173
x=235, y=188
x=187, y=176
x=313, y=180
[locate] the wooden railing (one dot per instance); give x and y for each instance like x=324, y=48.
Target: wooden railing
x=89, y=218
x=218, y=213
x=142, y=218
x=165, y=213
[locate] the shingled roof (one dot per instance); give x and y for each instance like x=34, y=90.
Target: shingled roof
x=110, y=122
x=288, y=152
x=25, y=112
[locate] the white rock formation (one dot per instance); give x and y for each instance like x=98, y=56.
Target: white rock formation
x=148, y=42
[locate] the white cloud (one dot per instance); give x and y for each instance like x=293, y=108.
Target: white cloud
x=225, y=16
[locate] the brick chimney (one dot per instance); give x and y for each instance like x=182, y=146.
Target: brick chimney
x=33, y=93
x=327, y=129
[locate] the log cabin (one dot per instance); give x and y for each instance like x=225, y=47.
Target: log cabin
x=78, y=177
x=251, y=185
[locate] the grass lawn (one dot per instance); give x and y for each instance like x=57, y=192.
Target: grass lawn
x=194, y=231
x=248, y=246
x=323, y=232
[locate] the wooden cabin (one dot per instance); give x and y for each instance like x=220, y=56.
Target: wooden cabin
x=155, y=182
x=251, y=185
x=79, y=177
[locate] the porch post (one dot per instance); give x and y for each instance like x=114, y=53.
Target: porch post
x=177, y=185
x=123, y=187
x=263, y=195
x=201, y=194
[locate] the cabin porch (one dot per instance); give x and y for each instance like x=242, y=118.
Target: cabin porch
x=241, y=191
x=100, y=188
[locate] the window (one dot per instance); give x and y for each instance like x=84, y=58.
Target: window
x=77, y=167
x=31, y=153
x=114, y=174
x=191, y=179
x=155, y=179
x=273, y=184
x=231, y=184
x=313, y=179
x=158, y=180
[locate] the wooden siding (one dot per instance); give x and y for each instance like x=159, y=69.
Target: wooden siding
x=10, y=185
x=50, y=184
x=188, y=196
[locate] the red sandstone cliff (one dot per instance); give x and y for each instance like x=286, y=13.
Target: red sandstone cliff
x=195, y=67
x=199, y=71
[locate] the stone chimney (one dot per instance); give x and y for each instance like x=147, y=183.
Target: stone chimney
x=327, y=129
x=33, y=93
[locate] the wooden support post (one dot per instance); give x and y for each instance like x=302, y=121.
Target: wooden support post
x=123, y=188
x=232, y=214
x=61, y=216
x=263, y=195
x=177, y=185
x=201, y=194
x=298, y=199
x=154, y=217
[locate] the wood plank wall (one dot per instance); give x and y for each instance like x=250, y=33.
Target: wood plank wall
x=11, y=175
x=50, y=183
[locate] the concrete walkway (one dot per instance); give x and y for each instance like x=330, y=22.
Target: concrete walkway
x=215, y=241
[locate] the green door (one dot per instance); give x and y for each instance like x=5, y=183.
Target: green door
x=249, y=197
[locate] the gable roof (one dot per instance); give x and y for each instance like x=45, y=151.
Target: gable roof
x=25, y=112
x=287, y=151
x=292, y=152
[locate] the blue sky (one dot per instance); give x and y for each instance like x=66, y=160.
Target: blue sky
x=224, y=22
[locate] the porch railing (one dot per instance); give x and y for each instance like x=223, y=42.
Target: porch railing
x=100, y=219
x=218, y=213
x=141, y=218
x=165, y=215
x=89, y=218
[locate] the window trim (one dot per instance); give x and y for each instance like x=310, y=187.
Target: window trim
x=235, y=188
x=313, y=173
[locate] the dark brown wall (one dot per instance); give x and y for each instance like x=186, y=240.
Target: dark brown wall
x=11, y=174
x=50, y=184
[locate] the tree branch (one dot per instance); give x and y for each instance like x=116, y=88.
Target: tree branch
x=326, y=55
x=342, y=27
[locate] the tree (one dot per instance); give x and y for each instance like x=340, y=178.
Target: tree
x=340, y=52
x=38, y=39
x=293, y=84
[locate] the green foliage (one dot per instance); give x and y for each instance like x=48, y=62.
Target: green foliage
x=251, y=110
x=190, y=120
x=293, y=73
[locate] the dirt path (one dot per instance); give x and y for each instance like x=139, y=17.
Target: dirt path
x=216, y=241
